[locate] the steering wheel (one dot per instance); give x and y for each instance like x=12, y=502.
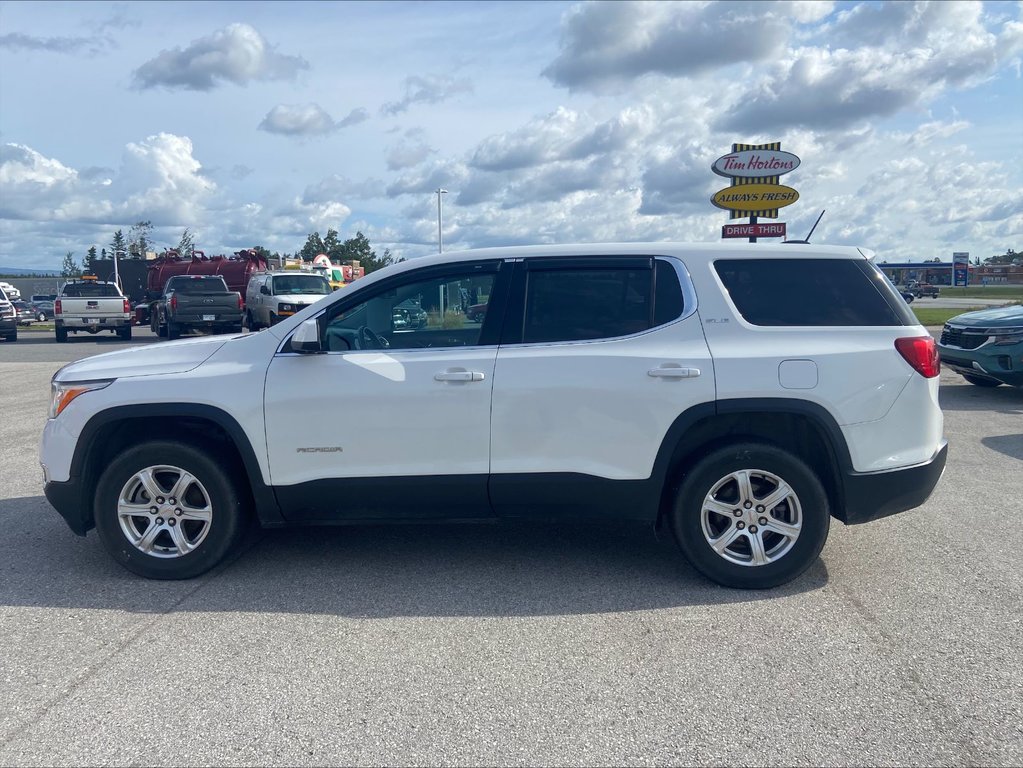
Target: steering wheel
x=370, y=339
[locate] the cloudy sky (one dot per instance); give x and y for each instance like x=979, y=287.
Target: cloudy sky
x=258, y=123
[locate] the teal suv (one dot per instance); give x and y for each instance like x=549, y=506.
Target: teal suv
x=986, y=346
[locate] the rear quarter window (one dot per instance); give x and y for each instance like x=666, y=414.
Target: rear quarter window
x=812, y=292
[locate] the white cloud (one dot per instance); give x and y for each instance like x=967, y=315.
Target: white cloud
x=609, y=43
x=298, y=120
x=237, y=54
x=426, y=89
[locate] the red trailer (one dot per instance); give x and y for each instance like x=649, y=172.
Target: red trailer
x=236, y=271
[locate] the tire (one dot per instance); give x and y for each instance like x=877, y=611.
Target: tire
x=784, y=555
x=179, y=546
x=250, y=322
x=12, y=336
x=173, y=330
x=979, y=381
x=61, y=335
x=41, y=317
x=125, y=333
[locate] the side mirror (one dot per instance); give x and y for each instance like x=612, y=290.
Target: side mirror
x=306, y=338
x=264, y=290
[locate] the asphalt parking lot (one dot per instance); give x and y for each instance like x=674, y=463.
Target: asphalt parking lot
x=514, y=645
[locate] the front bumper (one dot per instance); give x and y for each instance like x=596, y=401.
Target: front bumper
x=1003, y=364
x=8, y=324
x=67, y=499
x=873, y=495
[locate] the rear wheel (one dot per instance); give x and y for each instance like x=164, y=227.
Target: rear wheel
x=166, y=510
x=751, y=515
x=125, y=333
x=61, y=335
x=980, y=381
x=173, y=330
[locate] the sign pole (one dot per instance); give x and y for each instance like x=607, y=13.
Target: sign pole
x=753, y=222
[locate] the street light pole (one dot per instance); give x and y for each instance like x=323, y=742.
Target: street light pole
x=440, y=220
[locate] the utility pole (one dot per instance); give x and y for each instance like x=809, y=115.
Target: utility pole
x=440, y=221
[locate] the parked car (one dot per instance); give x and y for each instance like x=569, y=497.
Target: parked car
x=272, y=296
x=190, y=302
x=985, y=347
x=919, y=290
x=801, y=389
x=89, y=305
x=408, y=315
x=476, y=312
x=25, y=313
x=37, y=298
x=43, y=309
x=8, y=318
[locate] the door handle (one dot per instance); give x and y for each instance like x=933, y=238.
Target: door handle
x=674, y=372
x=459, y=376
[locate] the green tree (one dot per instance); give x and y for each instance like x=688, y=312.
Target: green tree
x=90, y=259
x=359, y=249
x=313, y=246
x=70, y=267
x=186, y=246
x=1009, y=257
x=140, y=238
x=119, y=246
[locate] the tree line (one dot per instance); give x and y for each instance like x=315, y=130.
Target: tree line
x=139, y=240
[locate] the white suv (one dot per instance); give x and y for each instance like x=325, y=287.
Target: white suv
x=739, y=396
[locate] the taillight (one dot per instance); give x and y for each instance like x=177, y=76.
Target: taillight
x=241, y=304
x=174, y=303
x=922, y=353
x=56, y=307
x=127, y=307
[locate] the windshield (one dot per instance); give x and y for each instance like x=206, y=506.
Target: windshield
x=91, y=290
x=198, y=285
x=284, y=285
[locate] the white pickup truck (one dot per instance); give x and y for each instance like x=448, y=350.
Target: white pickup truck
x=91, y=306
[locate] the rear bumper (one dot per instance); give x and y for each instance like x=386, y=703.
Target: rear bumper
x=873, y=495
x=82, y=324
x=66, y=498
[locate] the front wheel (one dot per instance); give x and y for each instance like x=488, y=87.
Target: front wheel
x=980, y=381
x=166, y=510
x=751, y=516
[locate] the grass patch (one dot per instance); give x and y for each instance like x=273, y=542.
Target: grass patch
x=1007, y=292
x=929, y=316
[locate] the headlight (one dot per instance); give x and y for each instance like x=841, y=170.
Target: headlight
x=62, y=393
x=287, y=307
x=1008, y=336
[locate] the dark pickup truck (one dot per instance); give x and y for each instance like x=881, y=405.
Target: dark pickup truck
x=190, y=302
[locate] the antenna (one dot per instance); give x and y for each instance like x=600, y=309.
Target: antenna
x=806, y=240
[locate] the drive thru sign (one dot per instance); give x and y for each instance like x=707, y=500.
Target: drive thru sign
x=753, y=230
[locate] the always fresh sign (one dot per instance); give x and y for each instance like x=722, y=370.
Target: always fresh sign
x=755, y=197
x=755, y=163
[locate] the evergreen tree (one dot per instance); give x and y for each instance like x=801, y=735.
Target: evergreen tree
x=119, y=246
x=186, y=246
x=90, y=259
x=70, y=267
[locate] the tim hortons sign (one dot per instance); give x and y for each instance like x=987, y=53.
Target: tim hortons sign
x=755, y=163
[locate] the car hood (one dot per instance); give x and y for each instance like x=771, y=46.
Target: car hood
x=153, y=359
x=996, y=317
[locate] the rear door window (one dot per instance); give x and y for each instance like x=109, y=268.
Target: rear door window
x=812, y=292
x=598, y=299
